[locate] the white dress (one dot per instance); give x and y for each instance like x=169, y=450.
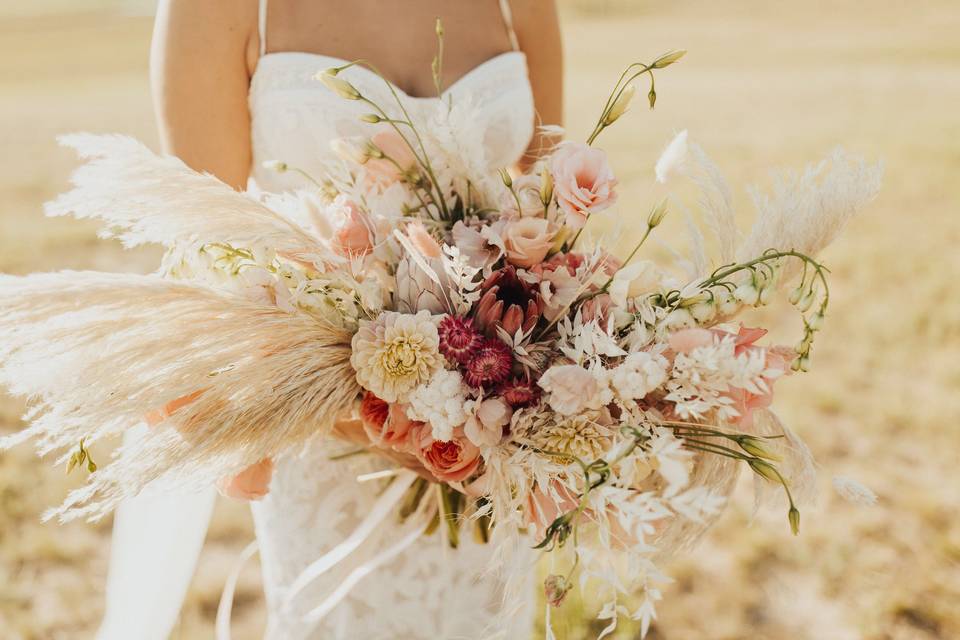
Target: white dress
x=429, y=591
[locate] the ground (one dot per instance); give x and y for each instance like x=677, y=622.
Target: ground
x=765, y=84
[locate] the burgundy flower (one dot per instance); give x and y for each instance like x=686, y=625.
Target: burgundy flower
x=519, y=392
x=507, y=302
x=490, y=364
x=458, y=338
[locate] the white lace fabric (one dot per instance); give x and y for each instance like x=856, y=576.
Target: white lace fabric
x=429, y=591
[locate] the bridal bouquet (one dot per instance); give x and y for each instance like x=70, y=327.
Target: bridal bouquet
x=465, y=324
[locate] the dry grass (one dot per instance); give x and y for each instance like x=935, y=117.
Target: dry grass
x=764, y=83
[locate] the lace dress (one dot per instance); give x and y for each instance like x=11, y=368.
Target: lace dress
x=429, y=591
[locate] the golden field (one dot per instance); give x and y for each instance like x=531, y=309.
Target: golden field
x=765, y=84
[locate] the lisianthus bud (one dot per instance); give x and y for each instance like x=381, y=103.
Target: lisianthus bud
x=764, y=469
x=505, y=177
x=755, y=447
x=349, y=150
x=657, y=214
x=339, y=86
x=546, y=186
x=668, y=58
x=372, y=118
x=794, y=516
x=652, y=97
x=620, y=106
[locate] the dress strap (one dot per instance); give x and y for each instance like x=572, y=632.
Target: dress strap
x=262, y=26
x=508, y=23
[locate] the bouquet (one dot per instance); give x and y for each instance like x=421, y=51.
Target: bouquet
x=527, y=385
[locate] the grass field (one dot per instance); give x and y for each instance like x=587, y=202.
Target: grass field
x=764, y=84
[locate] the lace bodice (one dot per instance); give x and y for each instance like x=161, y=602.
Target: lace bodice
x=429, y=591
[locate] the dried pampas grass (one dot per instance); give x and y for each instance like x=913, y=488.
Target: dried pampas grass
x=147, y=198
x=98, y=353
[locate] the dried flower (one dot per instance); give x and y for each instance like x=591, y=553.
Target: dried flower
x=556, y=589
x=519, y=392
x=458, y=339
x=490, y=364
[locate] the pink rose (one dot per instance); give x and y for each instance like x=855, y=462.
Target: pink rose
x=485, y=426
x=250, y=484
x=527, y=241
x=421, y=239
x=583, y=182
x=398, y=158
x=353, y=232
x=452, y=461
x=571, y=387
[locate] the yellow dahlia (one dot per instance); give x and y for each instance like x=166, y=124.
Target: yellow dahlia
x=395, y=353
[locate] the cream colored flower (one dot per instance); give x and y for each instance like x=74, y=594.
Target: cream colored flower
x=395, y=353
x=587, y=435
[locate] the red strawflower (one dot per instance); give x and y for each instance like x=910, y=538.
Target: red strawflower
x=490, y=364
x=458, y=338
x=519, y=392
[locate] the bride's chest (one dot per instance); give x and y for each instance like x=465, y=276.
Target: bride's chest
x=294, y=117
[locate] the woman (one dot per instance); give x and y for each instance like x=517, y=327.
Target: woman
x=234, y=88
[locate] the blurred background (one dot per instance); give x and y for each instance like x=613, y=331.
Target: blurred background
x=765, y=83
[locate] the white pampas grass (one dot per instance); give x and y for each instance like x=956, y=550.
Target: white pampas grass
x=805, y=211
x=147, y=198
x=99, y=352
x=673, y=158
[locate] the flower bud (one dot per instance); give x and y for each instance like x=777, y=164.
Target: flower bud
x=349, y=150
x=795, y=296
x=341, y=87
x=703, y=312
x=806, y=301
x=816, y=321
x=620, y=106
x=657, y=214
x=505, y=177
x=373, y=151
x=764, y=469
x=794, y=516
x=546, y=186
x=729, y=305
x=555, y=589
x=766, y=294
x=372, y=118
x=652, y=97
x=755, y=447
x=438, y=27
x=668, y=58
x=680, y=319
x=747, y=294
x=275, y=165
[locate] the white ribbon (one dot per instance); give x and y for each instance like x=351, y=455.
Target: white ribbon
x=225, y=608
x=384, y=505
x=421, y=520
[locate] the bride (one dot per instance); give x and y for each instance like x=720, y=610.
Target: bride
x=234, y=89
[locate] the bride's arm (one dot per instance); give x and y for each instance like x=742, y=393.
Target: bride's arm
x=538, y=31
x=202, y=54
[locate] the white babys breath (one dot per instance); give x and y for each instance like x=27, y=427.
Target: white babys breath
x=638, y=374
x=853, y=491
x=441, y=403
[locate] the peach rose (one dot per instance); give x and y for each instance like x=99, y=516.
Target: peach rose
x=385, y=171
x=527, y=241
x=452, y=461
x=353, y=232
x=250, y=484
x=583, y=182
